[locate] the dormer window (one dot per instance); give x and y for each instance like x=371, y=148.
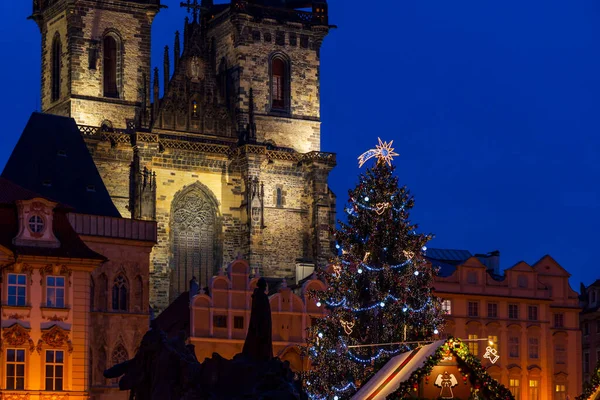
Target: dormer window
x=522, y=281
x=36, y=224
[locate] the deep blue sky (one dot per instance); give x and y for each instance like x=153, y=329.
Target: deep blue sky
x=494, y=107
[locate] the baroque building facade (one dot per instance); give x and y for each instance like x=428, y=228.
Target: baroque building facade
x=59, y=329
x=228, y=162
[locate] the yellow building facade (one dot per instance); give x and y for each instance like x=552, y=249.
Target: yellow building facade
x=62, y=322
x=531, y=315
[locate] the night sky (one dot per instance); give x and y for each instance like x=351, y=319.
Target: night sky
x=493, y=106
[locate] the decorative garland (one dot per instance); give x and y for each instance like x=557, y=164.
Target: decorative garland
x=589, y=388
x=489, y=388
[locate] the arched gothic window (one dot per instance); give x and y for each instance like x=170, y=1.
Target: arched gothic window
x=55, y=77
x=111, y=66
x=279, y=83
x=119, y=355
x=119, y=294
x=196, y=247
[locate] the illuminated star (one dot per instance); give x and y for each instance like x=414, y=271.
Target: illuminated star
x=386, y=151
x=383, y=151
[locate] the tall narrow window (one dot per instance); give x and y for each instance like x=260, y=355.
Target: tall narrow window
x=534, y=389
x=473, y=345
x=279, y=84
x=119, y=294
x=279, y=198
x=513, y=346
x=560, y=392
x=473, y=309
x=55, y=291
x=110, y=66
x=534, y=348
x=15, y=369
x=17, y=289
x=55, y=79
x=514, y=385
x=54, y=369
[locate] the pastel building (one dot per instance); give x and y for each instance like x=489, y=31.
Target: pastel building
x=530, y=313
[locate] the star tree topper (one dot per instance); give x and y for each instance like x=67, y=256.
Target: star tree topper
x=383, y=151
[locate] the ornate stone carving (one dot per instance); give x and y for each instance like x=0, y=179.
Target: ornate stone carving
x=193, y=211
x=56, y=318
x=196, y=69
x=55, y=269
x=15, y=396
x=16, y=316
x=55, y=337
x=16, y=335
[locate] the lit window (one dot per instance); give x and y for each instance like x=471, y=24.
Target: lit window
x=17, y=289
x=560, y=392
x=534, y=389
x=54, y=369
x=514, y=385
x=194, y=109
x=55, y=291
x=473, y=345
x=559, y=320
x=119, y=294
x=533, y=313
x=473, y=309
x=513, y=346
x=36, y=224
x=447, y=306
x=534, y=348
x=15, y=369
x=492, y=310
x=513, y=311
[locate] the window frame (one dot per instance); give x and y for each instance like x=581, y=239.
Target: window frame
x=514, y=350
x=217, y=319
x=54, y=365
x=447, y=306
x=473, y=311
x=535, y=308
x=514, y=385
x=16, y=364
x=513, y=311
x=17, y=285
x=535, y=355
x=118, y=66
x=47, y=287
x=280, y=105
x=559, y=320
x=493, y=306
x=123, y=284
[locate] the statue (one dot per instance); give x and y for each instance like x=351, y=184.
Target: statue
x=167, y=369
x=259, y=344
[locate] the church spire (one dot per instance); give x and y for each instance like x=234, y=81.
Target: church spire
x=167, y=68
x=176, y=50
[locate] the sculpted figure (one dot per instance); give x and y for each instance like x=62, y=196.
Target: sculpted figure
x=259, y=344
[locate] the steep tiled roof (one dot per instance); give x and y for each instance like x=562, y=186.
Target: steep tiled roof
x=52, y=159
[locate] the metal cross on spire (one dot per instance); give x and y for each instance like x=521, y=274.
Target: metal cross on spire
x=193, y=7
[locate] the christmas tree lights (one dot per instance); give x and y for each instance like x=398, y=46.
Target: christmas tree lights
x=379, y=289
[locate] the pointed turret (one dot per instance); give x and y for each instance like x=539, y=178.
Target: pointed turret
x=167, y=68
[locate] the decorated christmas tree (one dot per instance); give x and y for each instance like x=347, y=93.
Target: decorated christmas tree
x=379, y=298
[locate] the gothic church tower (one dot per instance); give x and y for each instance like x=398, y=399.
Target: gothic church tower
x=228, y=161
x=96, y=59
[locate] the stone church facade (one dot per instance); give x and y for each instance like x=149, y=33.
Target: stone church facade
x=228, y=160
